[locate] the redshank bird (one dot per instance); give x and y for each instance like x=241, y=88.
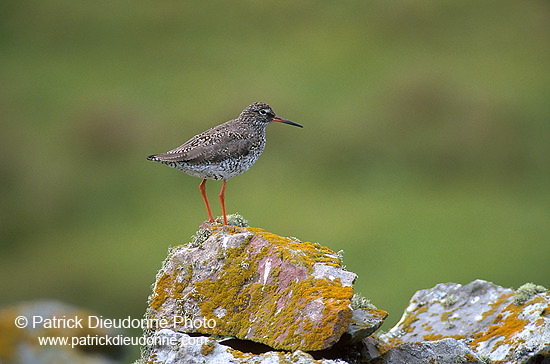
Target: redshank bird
x=225, y=151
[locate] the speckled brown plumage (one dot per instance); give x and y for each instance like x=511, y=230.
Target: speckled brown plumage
x=224, y=151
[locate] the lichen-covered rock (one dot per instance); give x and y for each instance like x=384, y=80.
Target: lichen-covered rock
x=441, y=351
x=364, y=322
x=176, y=347
x=22, y=325
x=519, y=333
x=450, y=310
x=250, y=284
x=497, y=323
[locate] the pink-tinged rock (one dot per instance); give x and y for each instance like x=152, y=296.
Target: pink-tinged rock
x=253, y=285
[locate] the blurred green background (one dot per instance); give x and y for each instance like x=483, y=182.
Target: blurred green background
x=424, y=153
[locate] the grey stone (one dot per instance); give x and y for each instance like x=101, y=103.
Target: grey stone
x=364, y=322
x=172, y=347
x=450, y=310
x=445, y=351
x=482, y=315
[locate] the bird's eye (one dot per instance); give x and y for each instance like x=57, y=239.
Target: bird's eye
x=264, y=112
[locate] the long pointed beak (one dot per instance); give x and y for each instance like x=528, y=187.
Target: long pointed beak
x=286, y=121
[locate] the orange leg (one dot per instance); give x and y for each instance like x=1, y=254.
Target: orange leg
x=222, y=202
x=202, y=188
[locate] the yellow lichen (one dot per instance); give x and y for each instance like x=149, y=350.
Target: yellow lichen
x=239, y=354
x=163, y=289
x=278, y=311
x=208, y=347
x=302, y=252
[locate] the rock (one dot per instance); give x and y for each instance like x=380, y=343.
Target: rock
x=372, y=347
x=440, y=351
x=449, y=310
x=364, y=322
x=519, y=333
x=177, y=347
x=24, y=324
x=488, y=318
x=234, y=294
x=249, y=284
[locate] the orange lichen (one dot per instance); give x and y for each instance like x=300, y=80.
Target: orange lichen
x=445, y=316
x=470, y=358
x=378, y=314
x=435, y=337
x=412, y=317
x=235, y=297
x=505, y=326
x=495, y=305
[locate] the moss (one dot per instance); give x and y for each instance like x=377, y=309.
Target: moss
x=340, y=254
x=526, y=292
x=359, y=301
x=449, y=301
x=237, y=220
x=200, y=237
x=485, y=359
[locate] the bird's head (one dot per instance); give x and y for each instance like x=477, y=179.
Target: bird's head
x=262, y=113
